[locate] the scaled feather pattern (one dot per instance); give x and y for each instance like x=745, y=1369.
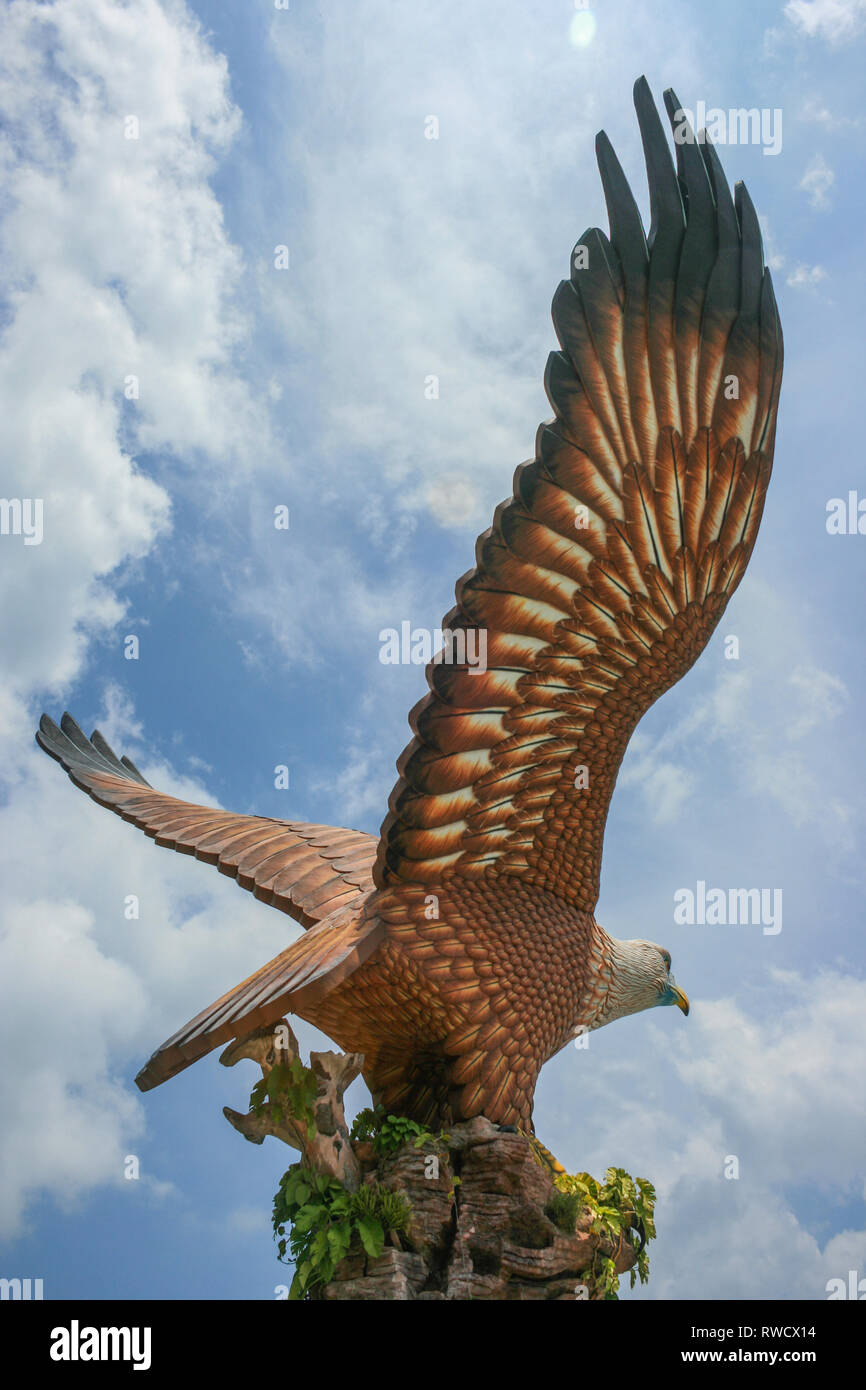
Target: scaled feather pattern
x=460, y=951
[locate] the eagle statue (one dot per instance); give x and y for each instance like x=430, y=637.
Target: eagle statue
x=459, y=951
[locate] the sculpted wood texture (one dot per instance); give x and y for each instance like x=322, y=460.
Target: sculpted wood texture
x=459, y=951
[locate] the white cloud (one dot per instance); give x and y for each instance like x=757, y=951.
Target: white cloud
x=416, y=257
x=666, y=786
x=118, y=267
x=835, y=21
x=806, y=276
x=362, y=785
x=86, y=995
x=117, y=263
x=774, y=257
x=817, y=182
x=785, y=1071
x=452, y=499
x=250, y=1221
x=772, y=1080
x=67, y=1120
x=822, y=697
x=438, y=273
x=742, y=710
x=815, y=110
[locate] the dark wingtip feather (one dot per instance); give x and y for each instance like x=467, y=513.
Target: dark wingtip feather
x=676, y=114
x=752, y=258
x=131, y=767
x=601, y=252
x=70, y=746
x=626, y=227
x=726, y=216
x=691, y=170
x=666, y=204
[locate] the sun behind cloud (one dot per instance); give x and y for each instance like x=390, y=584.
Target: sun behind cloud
x=582, y=29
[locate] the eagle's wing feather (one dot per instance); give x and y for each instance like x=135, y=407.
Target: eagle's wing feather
x=602, y=578
x=308, y=871
x=298, y=977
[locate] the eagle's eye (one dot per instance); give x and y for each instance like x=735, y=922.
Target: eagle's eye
x=666, y=957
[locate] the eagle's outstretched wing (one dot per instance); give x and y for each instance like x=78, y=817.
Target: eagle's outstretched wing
x=601, y=580
x=308, y=871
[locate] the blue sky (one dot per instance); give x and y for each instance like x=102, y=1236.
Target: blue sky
x=408, y=257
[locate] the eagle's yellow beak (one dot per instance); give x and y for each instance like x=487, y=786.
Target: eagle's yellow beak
x=679, y=997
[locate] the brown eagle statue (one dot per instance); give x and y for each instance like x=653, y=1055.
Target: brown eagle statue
x=460, y=951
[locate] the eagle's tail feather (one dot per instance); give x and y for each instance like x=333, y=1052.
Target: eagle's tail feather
x=290, y=983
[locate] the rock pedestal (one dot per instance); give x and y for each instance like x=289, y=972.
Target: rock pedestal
x=479, y=1196
x=480, y=1229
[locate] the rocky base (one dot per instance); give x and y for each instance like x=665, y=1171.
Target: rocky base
x=480, y=1229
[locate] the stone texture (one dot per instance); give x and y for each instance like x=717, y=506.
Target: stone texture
x=478, y=1198
x=485, y=1237
x=397, y=1274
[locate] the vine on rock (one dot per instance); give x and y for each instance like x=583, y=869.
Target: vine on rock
x=617, y=1207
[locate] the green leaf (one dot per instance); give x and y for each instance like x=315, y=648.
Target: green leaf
x=307, y=1218
x=272, y=1083
x=319, y=1248
x=338, y=1242
x=372, y=1236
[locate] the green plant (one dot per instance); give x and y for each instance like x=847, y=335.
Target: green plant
x=563, y=1209
x=388, y=1133
x=326, y=1221
x=390, y=1209
x=618, y=1206
x=396, y=1131
x=289, y=1089
x=366, y=1124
